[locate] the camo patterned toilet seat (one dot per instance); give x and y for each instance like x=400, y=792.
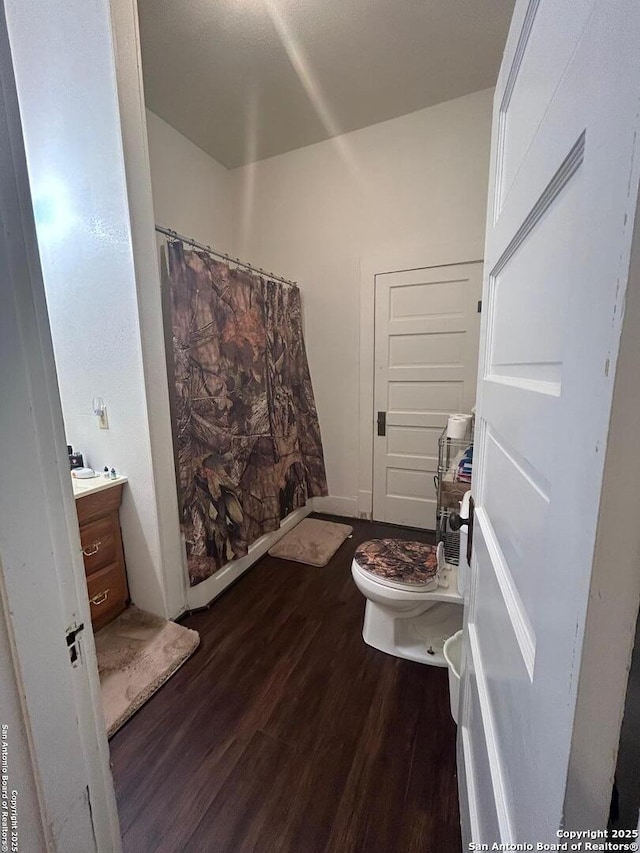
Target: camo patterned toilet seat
x=398, y=563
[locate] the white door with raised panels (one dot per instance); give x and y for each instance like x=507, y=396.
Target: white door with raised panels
x=57, y=790
x=427, y=328
x=562, y=202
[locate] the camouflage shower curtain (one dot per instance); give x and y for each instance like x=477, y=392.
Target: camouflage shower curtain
x=248, y=440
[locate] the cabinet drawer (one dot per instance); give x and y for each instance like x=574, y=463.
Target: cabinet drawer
x=108, y=594
x=98, y=505
x=100, y=542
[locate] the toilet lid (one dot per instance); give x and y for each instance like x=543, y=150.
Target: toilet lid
x=396, y=563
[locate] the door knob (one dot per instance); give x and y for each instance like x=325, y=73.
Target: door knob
x=456, y=521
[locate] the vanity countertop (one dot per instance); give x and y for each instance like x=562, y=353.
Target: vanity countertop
x=94, y=484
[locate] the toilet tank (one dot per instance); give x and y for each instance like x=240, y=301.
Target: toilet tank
x=463, y=568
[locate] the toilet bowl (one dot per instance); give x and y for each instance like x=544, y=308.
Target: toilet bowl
x=413, y=604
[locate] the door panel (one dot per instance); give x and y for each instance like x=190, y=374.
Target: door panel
x=528, y=418
x=562, y=198
x=485, y=817
x=414, y=398
x=530, y=292
x=414, y=442
x=508, y=484
x=430, y=300
x=42, y=582
x=530, y=84
x=426, y=351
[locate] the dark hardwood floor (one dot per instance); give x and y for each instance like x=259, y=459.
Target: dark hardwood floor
x=285, y=733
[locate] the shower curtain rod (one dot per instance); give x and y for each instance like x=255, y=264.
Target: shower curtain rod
x=168, y=232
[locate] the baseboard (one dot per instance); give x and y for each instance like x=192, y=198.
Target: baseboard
x=365, y=503
x=204, y=593
x=336, y=506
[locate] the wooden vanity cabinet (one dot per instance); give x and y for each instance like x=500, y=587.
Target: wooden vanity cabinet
x=98, y=516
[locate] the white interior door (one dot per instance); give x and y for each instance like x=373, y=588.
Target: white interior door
x=427, y=326
x=42, y=584
x=562, y=202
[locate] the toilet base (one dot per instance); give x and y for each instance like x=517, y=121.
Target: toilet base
x=419, y=638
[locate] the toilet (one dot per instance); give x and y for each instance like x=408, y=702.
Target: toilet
x=413, y=598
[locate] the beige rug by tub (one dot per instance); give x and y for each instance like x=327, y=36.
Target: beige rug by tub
x=313, y=542
x=137, y=653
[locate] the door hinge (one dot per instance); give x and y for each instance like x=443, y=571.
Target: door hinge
x=479, y=306
x=71, y=636
x=382, y=423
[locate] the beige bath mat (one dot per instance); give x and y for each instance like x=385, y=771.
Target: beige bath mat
x=137, y=653
x=313, y=542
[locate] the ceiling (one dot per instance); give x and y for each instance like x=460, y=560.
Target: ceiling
x=247, y=79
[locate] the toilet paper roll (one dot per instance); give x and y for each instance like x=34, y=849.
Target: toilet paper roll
x=459, y=426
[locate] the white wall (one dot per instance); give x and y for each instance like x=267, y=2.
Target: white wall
x=191, y=191
x=126, y=37
x=316, y=214
x=75, y=157
x=412, y=187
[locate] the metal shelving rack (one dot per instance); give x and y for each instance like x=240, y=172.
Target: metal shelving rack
x=449, y=493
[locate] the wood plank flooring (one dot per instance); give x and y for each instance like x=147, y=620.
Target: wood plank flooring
x=285, y=733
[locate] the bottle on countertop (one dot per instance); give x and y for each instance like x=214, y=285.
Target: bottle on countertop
x=113, y=474
x=106, y=472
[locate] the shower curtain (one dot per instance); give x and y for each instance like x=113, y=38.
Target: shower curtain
x=247, y=433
